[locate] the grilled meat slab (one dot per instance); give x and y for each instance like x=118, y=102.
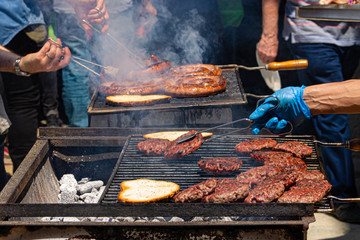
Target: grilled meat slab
x=220, y=165
x=272, y=188
x=306, y=191
x=299, y=149
x=265, y=192
x=314, y=175
x=254, y=144
x=287, y=163
x=153, y=146
x=196, y=192
x=175, y=150
x=257, y=174
x=228, y=190
x=263, y=155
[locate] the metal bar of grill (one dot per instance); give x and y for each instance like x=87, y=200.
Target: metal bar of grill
x=233, y=95
x=185, y=171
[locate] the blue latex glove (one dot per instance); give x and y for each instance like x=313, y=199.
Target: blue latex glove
x=291, y=108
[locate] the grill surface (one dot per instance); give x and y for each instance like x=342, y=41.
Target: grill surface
x=234, y=95
x=134, y=165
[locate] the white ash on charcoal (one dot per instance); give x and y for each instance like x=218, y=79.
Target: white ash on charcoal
x=84, y=191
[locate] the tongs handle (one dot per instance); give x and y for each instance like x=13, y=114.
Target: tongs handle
x=344, y=200
x=352, y=144
x=287, y=65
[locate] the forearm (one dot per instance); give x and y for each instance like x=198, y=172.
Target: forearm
x=333, y=98
x=270, y=15
x=7, y=60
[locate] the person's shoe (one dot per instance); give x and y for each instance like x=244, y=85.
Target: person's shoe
x=347, y=212
x=53, y=121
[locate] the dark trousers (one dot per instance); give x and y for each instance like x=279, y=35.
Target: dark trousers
x=3, y=175
x=330, y=63
x=22, y=102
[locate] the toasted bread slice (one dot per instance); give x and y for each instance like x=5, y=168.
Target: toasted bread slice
x=137, y=100
x=146, y=190
x=172, y=135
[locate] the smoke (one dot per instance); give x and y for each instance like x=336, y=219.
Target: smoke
x=189, y=40
x=176, y=38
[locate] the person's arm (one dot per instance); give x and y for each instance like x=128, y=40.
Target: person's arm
x=330, y=98
x=327, y=2
x=294, y=104
x=50, y=57
x=269, y=43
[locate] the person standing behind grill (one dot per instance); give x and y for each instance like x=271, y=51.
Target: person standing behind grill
x=78, y=37
x=29, y=64
x=332, y=49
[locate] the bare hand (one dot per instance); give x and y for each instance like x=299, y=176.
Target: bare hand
x=50, y=57
x=268, y=48
x=327, y=2
x=92, y=11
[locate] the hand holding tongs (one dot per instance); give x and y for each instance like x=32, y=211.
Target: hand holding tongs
x=251, y=122
x=277, y=66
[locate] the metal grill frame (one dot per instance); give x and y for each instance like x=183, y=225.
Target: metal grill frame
x=234, y=95
x=10, y=197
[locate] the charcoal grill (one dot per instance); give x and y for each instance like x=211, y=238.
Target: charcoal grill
x=110, y=154
x=179, y=112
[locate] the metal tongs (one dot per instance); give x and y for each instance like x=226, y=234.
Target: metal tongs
x=109, y=70
x=251, y=122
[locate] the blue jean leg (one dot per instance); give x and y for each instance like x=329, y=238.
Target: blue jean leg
x=75, y=78
x=326, y=65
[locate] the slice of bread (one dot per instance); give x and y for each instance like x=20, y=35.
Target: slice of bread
x=146, y=190
x=172, y=135
x=137, y=100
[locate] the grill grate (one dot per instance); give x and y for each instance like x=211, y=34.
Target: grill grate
x=185, y=171
x=234, y=94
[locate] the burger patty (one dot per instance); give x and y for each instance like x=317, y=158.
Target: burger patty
x=196, y=192
x=306, y=191
x=263, y=155
x=272, y=188
x=257, y=174
x=254, y=144
x=153, y=146
x=287, y=163
x=265, y=192
x=220, y=165
x=177, y=150
x=226, y=191
x=314, y=175
x=299, y=149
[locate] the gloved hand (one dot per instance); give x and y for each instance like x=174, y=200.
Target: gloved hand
x=291, y=108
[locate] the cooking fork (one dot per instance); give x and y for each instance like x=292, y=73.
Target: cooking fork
x=275, y=66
